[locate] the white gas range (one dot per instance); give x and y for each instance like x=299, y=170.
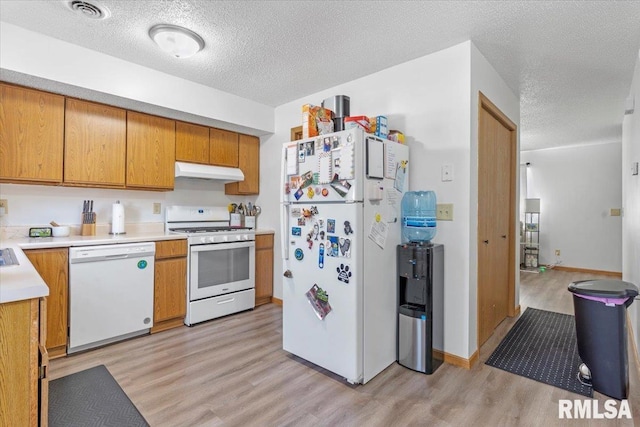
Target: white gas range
x=221, y=260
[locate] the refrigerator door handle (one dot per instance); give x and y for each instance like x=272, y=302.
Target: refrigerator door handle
x=284, y=227
x=284, y=209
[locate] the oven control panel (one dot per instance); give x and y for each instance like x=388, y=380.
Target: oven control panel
x=222, y=238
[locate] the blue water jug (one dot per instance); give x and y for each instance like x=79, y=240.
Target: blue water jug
x=418, y=216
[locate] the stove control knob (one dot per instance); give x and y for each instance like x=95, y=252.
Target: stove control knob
x=212, y=239
x=203, y=239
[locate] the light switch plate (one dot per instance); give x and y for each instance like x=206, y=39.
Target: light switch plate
x=615, y=212
x=444, y=212
x=157, y=208
x=447, y=172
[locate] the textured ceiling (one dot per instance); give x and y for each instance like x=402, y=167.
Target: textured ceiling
x=571, y=62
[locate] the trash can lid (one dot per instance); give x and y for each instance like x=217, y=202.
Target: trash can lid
x=604, y=288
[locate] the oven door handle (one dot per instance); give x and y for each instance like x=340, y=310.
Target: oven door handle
x=207, y=247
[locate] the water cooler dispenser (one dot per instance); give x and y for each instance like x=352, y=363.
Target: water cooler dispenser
x=420, y=343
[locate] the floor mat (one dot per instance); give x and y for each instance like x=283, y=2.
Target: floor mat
x=542, y=346
x=91, y=398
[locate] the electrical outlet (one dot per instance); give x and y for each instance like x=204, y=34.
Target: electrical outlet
x=615, y=212
x=157, y=208
x=557, y=252
x=444, y=212
x=4, y=204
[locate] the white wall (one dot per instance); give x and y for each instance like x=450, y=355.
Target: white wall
x=577, y=187
x=631, y=201
x=37, y=205
x=428, y=99
x=57, y=62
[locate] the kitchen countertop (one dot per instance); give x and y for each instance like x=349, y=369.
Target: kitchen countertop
x=20, y=282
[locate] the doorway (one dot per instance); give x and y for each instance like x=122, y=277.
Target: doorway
x=497, y=167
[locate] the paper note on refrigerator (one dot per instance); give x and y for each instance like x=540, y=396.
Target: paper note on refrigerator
x=324, y=168
x=292, y=159
x=390, y=166
x=346, y=162
x=379, y=230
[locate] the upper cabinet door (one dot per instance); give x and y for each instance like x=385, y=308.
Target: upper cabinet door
x=249, y=163
x=94, y=144
x=31, y=135
x=223, y=148
x=151, y=151
x=192, y=143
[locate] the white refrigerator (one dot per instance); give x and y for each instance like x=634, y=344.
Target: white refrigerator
x=340, y=225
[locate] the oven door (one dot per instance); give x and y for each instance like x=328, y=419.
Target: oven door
x=221, y=268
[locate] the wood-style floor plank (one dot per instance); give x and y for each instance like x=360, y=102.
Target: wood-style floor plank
x=233, y=372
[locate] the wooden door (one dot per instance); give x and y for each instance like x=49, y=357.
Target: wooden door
x=94, y=144
x=19, y=337
x=31, y=135
x=497, y=144
x=151, y=151
x=192, y=143
x=170, y=289
x=223, y=148
x=249, y=163
x=53, y=266
x=264, y=268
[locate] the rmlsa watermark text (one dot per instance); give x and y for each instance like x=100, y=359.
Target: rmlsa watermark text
x=591, y=409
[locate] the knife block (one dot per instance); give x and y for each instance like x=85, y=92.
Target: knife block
x=88, y=229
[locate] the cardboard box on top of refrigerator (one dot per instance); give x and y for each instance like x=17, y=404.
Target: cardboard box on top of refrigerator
x=357, y=121
x=316, y=121
x=379, y=126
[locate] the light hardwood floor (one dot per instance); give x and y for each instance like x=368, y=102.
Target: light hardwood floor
x=233, y=372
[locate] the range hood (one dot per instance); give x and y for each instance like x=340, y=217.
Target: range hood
x=214, y=173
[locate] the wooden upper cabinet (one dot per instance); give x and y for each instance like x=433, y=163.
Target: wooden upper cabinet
x=151, y=151
x=249, y=163
x=95, y=144
x=31, y=135
x=192, y=143
x=223, y=148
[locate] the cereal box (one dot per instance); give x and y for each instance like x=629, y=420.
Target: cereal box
x=315, y=121
x=381, y=129
x=357, y=121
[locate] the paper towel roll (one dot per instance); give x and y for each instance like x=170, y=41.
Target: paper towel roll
x=117, y=218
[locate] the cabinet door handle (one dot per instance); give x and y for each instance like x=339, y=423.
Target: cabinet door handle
x=486, y=242
x=504, y=236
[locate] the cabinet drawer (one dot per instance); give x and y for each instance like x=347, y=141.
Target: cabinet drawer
x=264, y=241
x=171, y=249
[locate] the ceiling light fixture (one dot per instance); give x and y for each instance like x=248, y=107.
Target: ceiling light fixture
x=178, y=41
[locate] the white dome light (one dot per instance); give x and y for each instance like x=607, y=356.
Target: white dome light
x=177, y=41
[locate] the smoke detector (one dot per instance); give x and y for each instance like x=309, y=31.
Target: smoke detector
x=93, y=9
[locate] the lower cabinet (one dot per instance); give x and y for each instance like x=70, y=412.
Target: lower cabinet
x=24, y=383
x=170, y=286
x=53, y=266
x=264, y=268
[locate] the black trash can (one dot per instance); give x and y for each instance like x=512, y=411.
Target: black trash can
x=601, y=327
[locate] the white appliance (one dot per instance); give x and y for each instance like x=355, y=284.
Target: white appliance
x=215, y=173
x=221, y=259
x=110, y=293
x=340, y=224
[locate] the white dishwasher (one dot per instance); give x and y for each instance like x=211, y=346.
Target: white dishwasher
x=110, y=293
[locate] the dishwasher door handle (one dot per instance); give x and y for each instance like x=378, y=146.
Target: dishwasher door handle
x=117, y=256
